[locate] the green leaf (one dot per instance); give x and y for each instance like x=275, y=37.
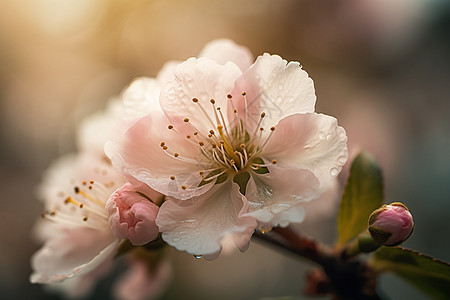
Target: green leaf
x=362, y=195
x=426, y=273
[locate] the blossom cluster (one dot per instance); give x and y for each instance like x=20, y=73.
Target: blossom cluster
x=205, y=153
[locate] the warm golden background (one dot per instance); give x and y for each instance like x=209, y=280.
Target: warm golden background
x=382, y=67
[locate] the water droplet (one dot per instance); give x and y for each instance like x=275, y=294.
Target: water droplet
x=197, y=256
x=334, y=172
x=342, y=159
x=279, y=207
x=189, y=220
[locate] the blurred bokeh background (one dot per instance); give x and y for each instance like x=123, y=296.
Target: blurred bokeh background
x=382, y=67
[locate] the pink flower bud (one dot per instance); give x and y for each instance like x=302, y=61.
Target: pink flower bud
x=391, y=224
x=132, y=215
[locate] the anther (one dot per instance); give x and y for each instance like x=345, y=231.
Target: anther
x=195, y=133
x=163, y=144
x=183, y=187
x=272, y=128
x=195, y=100
x=201, y=143
x=85, y=219
x=229, y=96
x=84, y=182
x=186, y=120
x=274, y=161
x=91, y=182
x=212, y=101
x=244, y=93
x=176, y=154
x=211, y=131
x=165, y=147
x=170, y=127
x=201, y=173
x=90, y=187
x=188, y=136
x=242, y=146
x=76, y=189
x=81, y=205
x=172, y=177
x=52, y=213
x=263, y=114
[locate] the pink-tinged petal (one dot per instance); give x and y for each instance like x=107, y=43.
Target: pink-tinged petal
x=138, y=154
x=140, y=283
x=274, y=197
x=199, y=225
x=224, y=50
x=166, y=74
x=81, y=286
x=273, y=86
x=141, y=97
x=132, y=216
x=203, y=79
x=76, y=251
x=309, y=141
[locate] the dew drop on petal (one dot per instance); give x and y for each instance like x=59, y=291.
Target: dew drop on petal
x=277, y=208
x=334, y=172
x=342, y=159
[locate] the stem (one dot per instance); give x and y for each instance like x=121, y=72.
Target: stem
x=343, y=276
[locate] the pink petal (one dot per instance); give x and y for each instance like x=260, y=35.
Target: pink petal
x=274, y=197
x=199, y=225
x=138, y=154
x=203, y=79
x=275, y=87
x=224, y=50
x=139, y=283
x=309, y=141
x=75, y=251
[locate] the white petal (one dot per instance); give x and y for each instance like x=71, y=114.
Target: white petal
x=76, y=251
x=81, y=286
x=141, y=98
x=166, y=74
x=199, y=226
x=139, y=154
x=224, y=50
x=203, y=79
x=311, y=141
x=271, y=196
x=95, y=129
x=275, y=87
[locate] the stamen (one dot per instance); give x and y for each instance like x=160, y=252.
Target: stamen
x=195, y=100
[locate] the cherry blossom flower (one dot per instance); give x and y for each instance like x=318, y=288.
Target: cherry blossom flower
x=78, y=240
x=233, y=146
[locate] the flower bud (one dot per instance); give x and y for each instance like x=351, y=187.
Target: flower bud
x=132, y=215
x=390, y=225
